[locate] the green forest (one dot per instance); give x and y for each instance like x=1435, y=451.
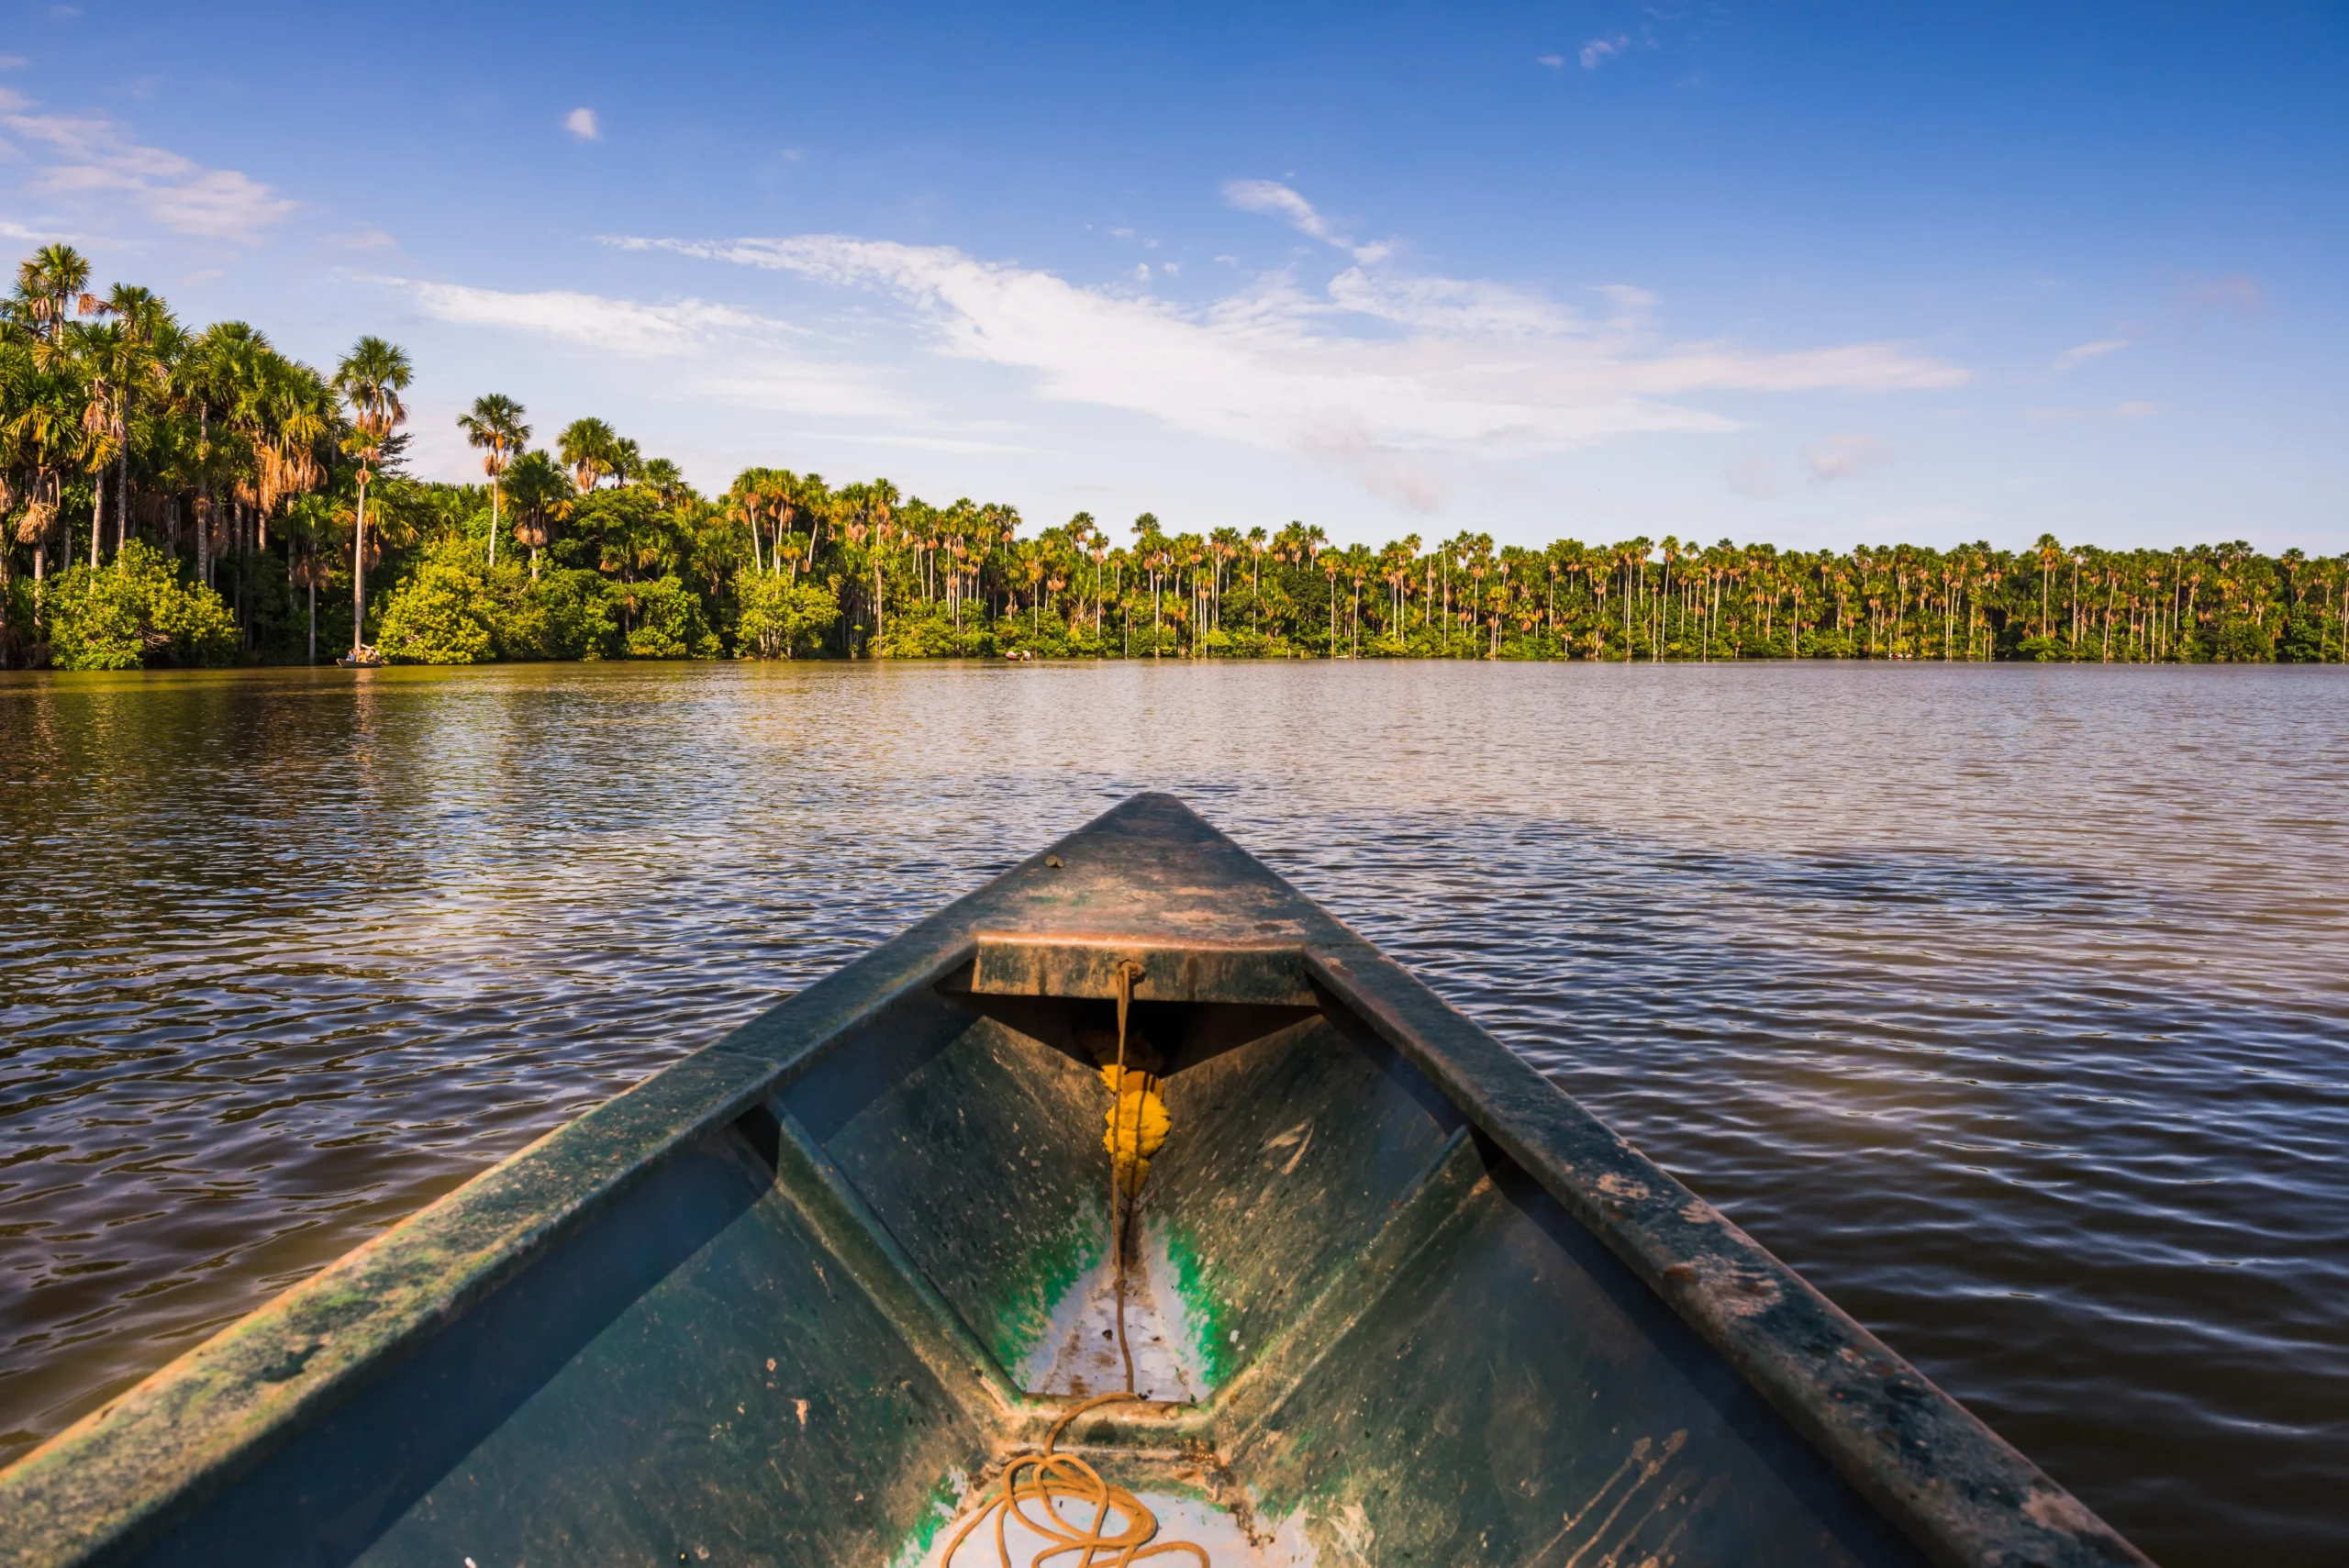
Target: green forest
x=174, y=496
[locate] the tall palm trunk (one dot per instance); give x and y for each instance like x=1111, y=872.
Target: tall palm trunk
x=122, y=501
x=97, y=516
x=359, y=570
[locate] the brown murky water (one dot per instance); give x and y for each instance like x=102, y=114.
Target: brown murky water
x=2010, y=1004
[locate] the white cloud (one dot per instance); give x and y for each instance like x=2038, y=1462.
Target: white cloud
x=1554, y=62
x=1265, y=196
x=1448, y=305
x=366, y=237
x=92, y=160
x=1268, y=196
x=2131, y=410
x=1379, y=367
x=2072, y=358
x=1842, y=457
x=725, y=353
x=1597, y=50
x=581, y=122
x=13, y=63
x=616, y=325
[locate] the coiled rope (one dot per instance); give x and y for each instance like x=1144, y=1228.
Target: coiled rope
x=1037, y=1486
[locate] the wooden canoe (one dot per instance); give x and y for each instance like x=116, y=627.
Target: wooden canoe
x=803, y=1296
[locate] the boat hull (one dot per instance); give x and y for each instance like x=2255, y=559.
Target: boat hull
x=796, y=1299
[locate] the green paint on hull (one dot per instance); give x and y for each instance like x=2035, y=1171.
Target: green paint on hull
x=1202, y=1295
x=945, y=1502
x=1023, y=1318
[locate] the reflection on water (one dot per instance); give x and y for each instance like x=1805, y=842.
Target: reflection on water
x=2007, y=1003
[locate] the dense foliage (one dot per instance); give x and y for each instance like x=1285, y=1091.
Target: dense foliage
x=176, y=498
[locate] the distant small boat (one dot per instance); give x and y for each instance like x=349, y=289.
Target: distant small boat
x=362, y=658
x=838, y=1287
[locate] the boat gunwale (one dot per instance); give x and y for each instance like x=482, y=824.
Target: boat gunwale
x=388, y=1296
x=1961, y=1494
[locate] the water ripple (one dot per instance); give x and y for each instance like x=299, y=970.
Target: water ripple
x=2008, y=1003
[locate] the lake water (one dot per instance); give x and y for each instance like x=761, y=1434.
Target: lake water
x=2008, y=1004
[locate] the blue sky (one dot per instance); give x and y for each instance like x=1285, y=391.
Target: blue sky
x=1813, y=274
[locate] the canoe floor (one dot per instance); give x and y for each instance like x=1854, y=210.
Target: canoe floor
x=816, y=1335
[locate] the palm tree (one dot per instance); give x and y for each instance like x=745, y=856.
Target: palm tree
x=590, y=448
x=667, y=481
x=47, y=284
x=219, y=375
x=495, y=427
x=542, y=495
x=105, y=354
x=39, y=433
x=122, y=364
x=878, y=504
x=370, y=379
x=297, y=412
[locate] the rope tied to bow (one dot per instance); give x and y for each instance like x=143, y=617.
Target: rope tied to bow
x=1137, y=1129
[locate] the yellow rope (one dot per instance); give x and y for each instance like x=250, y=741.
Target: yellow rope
x=1037, y=1486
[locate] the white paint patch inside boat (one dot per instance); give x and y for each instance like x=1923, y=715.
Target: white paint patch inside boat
x=1077, y=1355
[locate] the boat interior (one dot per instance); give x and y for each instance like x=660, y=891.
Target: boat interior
x=832, y=1330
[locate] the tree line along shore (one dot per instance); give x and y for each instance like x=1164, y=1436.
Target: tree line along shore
x=169, y=496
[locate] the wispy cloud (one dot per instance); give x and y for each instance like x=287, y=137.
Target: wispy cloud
x=721, y=351
x=617, y=326
x=2132, y=410
x=2233, y=292
x=1272, y=197
x=1279, y=201
x=1460, y=306
x=366, y=237
x=1380, y=366
x=83, y=160
x=1597, y=50
x=582, y=123
x=2073, y=357
x=1554, y=62
x=1842, y=457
